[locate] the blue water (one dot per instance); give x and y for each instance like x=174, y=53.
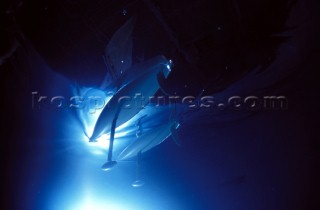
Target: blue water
x=226, y=161
x=241, y=160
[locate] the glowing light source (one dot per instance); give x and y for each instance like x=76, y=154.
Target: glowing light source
x=100, y=204
x=169, y=65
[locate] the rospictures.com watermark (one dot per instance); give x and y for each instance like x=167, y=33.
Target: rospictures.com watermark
x=93, y=103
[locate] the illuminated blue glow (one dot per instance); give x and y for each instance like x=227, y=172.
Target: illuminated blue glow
x=124, y=133
x=169, y=67
x=88, y=118
x=90, y=202
x=92, y=199
x=85, y=188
